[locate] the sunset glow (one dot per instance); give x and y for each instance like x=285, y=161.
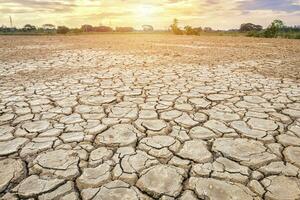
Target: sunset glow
x=145, y=11
x=217, y=14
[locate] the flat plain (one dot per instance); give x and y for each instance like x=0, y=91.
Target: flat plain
x=149, y=116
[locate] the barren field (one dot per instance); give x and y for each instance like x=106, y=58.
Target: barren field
x=149, y=116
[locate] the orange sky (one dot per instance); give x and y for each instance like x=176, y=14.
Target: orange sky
x=159, y=13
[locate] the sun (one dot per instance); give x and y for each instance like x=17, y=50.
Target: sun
x=145, y=10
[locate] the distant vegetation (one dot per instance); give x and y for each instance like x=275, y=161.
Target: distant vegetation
x=276, y=29
x=62, y=30
x=90, y=28
x=51, y=29
x=188, y=30
x=124, y=29
x=250, y=27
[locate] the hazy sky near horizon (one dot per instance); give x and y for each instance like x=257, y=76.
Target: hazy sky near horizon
x=218, y=14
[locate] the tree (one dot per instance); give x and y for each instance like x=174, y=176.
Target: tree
x=188, y=30
x=192, y=31
x=274, y=28
x=4, y=28
x=277, y=23
x=62, y=30
x=29, y=27
x=48, y=27
x=147, y=28
x=174, y=27
x=250, y=27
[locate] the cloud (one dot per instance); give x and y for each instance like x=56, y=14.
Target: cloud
x=275, y=5
x=215, y=13
x=30, y=6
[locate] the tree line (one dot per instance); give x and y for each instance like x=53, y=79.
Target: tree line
x=276, y=29
x=52, y=29
x=188, y=30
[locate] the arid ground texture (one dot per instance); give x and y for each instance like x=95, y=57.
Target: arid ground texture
x=149, y=116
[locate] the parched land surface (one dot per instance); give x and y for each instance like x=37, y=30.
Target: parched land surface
x=145, y=116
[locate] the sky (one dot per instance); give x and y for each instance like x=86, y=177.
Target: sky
x=218, y=14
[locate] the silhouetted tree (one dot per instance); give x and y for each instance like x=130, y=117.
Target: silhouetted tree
x=62, y=30
x=29, y=27
x=48, y=27
x=192, y=31
x=188, y=30
x=4, y=28
x=175, y=29
x=147, y=28
x=250, y=27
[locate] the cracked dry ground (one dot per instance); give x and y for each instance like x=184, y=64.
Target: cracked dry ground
x=137, y=117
